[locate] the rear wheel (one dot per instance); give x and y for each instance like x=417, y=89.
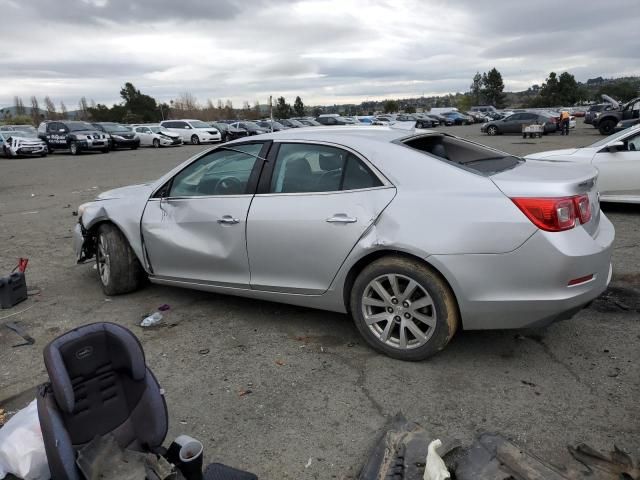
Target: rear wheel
x=403, y=308
x=492, y=130
x=195, y=139
x=606, y=127
x=118, y=267
x=156, y=143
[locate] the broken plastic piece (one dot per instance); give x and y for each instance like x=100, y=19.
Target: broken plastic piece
x=435, y=469
x=151, y=320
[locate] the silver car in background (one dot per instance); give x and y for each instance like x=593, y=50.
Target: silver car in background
x=414, y=233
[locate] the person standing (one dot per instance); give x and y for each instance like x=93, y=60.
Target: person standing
x=564, y=122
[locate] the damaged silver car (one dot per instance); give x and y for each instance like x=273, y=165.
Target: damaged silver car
x=413, y=233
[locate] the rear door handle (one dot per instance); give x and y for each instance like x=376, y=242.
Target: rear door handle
x=228, y=220
x=341, y=218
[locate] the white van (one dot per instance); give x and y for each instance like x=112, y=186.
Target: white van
x=193, y=131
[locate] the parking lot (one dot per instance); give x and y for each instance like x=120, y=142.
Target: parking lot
x=290, y=392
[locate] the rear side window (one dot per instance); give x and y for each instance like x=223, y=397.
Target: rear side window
x=307, y=168
x=471, y=156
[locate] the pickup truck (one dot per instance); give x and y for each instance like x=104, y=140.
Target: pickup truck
x=606, y=121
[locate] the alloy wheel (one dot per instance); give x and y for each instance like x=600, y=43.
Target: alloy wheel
x=398, y=311
x=103, y=261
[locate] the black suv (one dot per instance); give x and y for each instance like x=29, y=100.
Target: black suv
x=73, y=136
x=120, y=136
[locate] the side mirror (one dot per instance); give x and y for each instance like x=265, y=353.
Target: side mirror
x=615, y=146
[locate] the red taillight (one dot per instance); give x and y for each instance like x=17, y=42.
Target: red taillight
x=555, y=214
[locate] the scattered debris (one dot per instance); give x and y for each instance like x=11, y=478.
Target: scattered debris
x=28, y=340
x=152, y=320
x=164, y=307
x=614, y=373
x=203, y=351
x=74, y=213
x=435, y=469
x=529, y=384
x=308, y=464
x=17, y=313
x=617, y=299
x=280, y=363
x=244, y=393
x=3, y=417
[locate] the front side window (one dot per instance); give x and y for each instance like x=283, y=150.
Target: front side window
x=221, y=172
x=307, y=168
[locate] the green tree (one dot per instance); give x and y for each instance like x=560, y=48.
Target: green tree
x=390, y=106
x=137, y=103
x=283, y=109
x=409, y=109
x=476, y=89
x=494, y=88
x=464, y=102
x=298, y=107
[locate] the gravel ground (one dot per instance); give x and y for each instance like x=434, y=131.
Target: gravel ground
x=318, y=394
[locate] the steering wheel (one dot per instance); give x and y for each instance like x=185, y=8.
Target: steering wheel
x=228, y=186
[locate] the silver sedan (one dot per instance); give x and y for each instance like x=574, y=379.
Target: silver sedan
x=413, y=233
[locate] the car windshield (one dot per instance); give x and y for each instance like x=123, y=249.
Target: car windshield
x=77, y=126
x=26, y=129
x=20, y=133
x=199, y=124
x=221, y=126
x=115, y=128
x=249, y=125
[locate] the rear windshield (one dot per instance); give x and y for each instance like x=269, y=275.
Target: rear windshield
x=468, y=155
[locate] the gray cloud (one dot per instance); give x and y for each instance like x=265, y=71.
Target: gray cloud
x=324, y=50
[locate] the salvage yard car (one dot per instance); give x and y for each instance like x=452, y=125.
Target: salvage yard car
x=153, y=135
x=73, y=136
x=193, y=131
x=514, y=123
x=120, y=136
x=17, y=143
x=617, y=159
x=414, y=233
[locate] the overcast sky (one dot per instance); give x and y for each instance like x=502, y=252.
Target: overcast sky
x=326, y=51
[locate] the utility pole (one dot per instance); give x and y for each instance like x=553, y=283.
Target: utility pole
x=271, y=111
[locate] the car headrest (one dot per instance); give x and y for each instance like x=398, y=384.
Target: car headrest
x=78, y=353
x=331, y=161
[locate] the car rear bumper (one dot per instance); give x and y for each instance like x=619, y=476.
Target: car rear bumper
x=529, y=287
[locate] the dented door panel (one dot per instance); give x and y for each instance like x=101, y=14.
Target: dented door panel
x=198, y=239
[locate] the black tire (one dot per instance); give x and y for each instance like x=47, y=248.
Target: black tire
x=156, y=143
x=125, y=274
x=492, y=130
x=444, y=305
x=74, y=148
x=606, y=127
x=195, y=140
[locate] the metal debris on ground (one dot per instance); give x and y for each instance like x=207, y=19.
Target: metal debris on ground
x=203, y=351
x=244, y=393
x=400, y=452
x=14, y=327
x=151, y=320
x=280, y=363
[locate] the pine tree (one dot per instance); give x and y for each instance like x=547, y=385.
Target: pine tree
x=476, y=89
x=494, y=88
x=298, y=107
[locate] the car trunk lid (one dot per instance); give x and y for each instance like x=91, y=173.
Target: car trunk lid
x=544, y=179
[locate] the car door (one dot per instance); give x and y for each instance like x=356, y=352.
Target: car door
x=512, y=124
x=619, y=171
x=56, y=135
x=193, y=227
x=314, y=202
x=143, y=134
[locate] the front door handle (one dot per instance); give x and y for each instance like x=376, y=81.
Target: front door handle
x=341, y=218
x=228, y=220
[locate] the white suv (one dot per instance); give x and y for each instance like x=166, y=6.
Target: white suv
x=193, y=131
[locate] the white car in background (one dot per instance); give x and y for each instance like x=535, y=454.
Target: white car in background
x=193, y=131
x=617, y=159
x=153, y=135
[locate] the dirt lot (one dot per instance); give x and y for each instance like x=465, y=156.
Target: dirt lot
x=329, y=395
